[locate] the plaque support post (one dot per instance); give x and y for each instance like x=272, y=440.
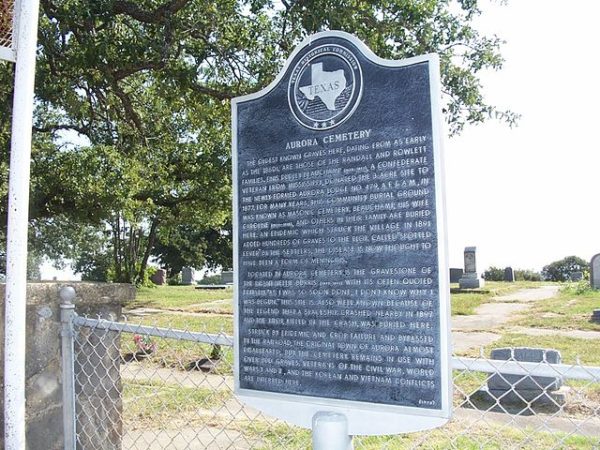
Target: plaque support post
x=330, y=432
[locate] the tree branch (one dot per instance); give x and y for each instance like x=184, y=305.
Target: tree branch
x=159, y=15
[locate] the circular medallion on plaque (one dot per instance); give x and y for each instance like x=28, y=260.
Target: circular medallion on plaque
x=325, y=87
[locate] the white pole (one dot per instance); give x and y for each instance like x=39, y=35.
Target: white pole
x=330, y=432
x=16, y=246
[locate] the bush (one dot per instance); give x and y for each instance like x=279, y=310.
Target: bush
x=527, y=275
x=578, y=288
x=494, y=274
x=146, y=281
x=175, y=280
x=211, y=279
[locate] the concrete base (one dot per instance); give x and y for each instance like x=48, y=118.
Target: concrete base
x=471, y=282
x=522, y=402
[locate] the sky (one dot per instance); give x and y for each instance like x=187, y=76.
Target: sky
x=528, y=196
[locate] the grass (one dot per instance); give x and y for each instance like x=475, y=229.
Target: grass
x=179, y=353
x=465, y=302
x=570, y=310
x=184, y=298
x=188, y=299
x=151, y=403
x=453, y=435
x=571, y=349
x=213, y=324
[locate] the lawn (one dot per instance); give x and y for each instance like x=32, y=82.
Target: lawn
x=570, y=310
x=454, y=435
x=150, y=403
x=184, y=298
x=189, y=299
x=573, y=350
x=464, y=302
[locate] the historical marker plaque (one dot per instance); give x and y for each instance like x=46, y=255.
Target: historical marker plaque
x=340, y=262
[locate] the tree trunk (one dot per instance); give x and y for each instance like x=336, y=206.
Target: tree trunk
x=149, y=245
x=117, y=248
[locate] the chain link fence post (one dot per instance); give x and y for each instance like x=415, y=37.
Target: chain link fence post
x=67, y=312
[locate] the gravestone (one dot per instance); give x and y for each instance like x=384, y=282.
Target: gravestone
x=595, y=271
x=227, y=277
x=576, y=276
x=522, y=393
x=342, y=289
x=509, y=275
x=159, y=277
x=455, y=274
x=187, y=276
x=470, y=279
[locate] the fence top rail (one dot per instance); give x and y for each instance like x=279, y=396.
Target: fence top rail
x=542, y=369
x=124, y=327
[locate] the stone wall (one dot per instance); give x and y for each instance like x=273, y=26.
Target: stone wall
x=43, y=362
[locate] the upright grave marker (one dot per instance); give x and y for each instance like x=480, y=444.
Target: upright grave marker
x=341, y=277
x=595, y=271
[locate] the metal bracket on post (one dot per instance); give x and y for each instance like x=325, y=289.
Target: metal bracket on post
x=330, y=432
x=67, y=313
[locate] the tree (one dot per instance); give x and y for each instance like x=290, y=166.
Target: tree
x=132, y=121
x=561, y=270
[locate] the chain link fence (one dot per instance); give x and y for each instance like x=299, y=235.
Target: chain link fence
x=148, y=387
x=6, y=23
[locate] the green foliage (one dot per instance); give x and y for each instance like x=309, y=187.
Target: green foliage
x=211, y=279
x=131, y=134
x=579, y=288
x=94, y=266
x=175, y=280
x=527, y=275
x=184, y=245
x=494, y=274
x=146, y=280
x=561, y=270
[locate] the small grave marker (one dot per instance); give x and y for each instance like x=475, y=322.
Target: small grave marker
x=522, y=394
x=509, y=275
x=455, y=274
x=159, y=277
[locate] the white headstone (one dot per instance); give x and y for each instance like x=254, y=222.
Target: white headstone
x=595, y=275
x=187, y=275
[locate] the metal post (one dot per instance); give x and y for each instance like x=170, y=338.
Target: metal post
x=330, y=432
x=67, y=313
x=16, y=245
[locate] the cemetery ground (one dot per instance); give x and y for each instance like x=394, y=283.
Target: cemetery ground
x=186, y=386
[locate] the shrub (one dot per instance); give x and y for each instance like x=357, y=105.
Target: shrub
x=494, y=274
x=527, y=275
x=578, y=288
x=175, y=280
x=211, y=279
